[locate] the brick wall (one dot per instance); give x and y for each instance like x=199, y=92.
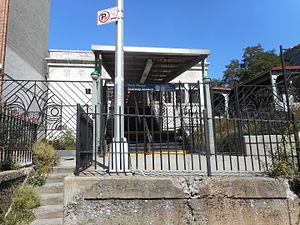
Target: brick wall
x=3, y=34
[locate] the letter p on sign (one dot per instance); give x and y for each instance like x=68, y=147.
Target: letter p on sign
x=107, y=16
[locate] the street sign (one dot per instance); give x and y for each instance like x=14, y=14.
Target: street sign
x=107, y=16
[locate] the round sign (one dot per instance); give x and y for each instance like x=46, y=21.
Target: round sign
x=104, y=17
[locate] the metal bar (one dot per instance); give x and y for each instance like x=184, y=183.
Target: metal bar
x=78, y=140
x=208, y=154
x=175, y=128
x=182, y=130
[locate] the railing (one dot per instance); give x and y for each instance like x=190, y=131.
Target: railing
x=245, y=139
x=265, y=143
x=17, y=133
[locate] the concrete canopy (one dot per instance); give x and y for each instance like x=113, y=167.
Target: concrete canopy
x=151, y=65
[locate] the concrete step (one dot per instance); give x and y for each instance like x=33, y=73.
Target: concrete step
x=56, y=221
x=56, y=177
x=51, y=188
x=49, y=212
x=52, y=199
x=69, y=170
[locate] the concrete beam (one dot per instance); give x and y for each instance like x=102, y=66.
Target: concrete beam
x=146, y=72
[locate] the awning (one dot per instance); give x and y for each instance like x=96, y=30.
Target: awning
x=151, y=65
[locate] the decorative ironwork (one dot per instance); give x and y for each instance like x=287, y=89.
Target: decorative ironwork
x=51, y=103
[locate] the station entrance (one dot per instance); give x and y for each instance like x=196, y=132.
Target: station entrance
x=158, y=118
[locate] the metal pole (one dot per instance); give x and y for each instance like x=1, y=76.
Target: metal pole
x=94, y=108
x=99, y=103
x=119, y=147
x=119, y=76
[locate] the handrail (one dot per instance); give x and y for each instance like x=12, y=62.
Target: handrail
x=149, y=136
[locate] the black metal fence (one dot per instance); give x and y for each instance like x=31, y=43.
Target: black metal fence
x=84, y=140
x=248, y=130
x=17, y=133
x=52, y=103
x=169, y=127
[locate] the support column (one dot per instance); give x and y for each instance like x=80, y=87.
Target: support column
x=209, y=110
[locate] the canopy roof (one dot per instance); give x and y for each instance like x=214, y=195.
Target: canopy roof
x=151, y=65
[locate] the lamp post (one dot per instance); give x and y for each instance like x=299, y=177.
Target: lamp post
x=95, y=95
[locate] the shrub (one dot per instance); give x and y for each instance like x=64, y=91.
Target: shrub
x=282, y=163
x=44, y=155
x=24, y=200
x=44, y=158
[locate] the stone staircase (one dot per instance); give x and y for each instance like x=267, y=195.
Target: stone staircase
x=51, y=210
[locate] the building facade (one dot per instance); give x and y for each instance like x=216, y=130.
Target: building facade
x=26, y=42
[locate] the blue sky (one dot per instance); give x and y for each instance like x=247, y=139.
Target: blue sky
x=225, y=27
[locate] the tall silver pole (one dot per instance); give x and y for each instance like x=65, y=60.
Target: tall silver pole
x=119, y=157
x=119, y=76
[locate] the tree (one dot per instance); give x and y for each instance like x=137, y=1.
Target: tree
x=255, y=61
x=217, y=82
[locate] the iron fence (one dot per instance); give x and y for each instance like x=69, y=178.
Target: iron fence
x=171, y=130
x=52, y=103
x=169, y=127
x=17, y=133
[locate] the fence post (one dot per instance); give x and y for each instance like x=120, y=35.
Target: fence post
x=207, y=142
x=209, y=110
x=78, y=140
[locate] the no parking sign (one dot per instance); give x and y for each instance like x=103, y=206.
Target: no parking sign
x=107, y=16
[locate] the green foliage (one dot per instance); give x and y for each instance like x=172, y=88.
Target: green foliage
x=38, y=176
x=44, y=158
x=255, y=60
x=8, y=164
x=66, y=141
x=282, y=162
x=296, y=47
x=217, y=83
x=44, y=155
x=281, y=168
x=24, y=200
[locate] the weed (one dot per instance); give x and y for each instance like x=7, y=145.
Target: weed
x=25, y=199
x=8, y=165
x=282, y=162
